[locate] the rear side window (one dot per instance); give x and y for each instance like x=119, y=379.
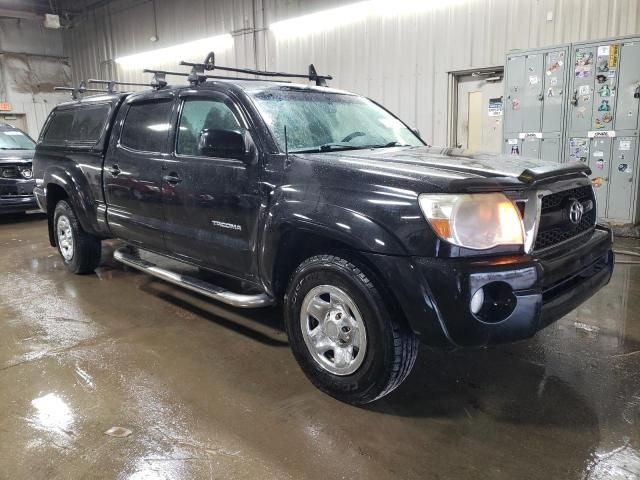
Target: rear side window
x=147, y=125
x=59, y=128
x=88, y=123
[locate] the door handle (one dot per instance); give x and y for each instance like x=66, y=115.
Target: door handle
x=172, y=178
x=115, y=170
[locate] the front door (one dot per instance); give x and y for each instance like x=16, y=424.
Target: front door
x=479, y=113
x=211, y=203
x=133, y=171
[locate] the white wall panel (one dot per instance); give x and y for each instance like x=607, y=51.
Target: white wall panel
x=401, y=61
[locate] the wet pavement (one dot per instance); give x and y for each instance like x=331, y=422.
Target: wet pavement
x=212, y=392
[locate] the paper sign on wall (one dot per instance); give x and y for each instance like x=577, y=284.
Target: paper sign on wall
x=495, y=107
x=625, y=145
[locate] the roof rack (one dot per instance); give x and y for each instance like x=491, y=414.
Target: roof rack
x=163, y=73
x=81, y=88
x=198, y=76
x=112, y=83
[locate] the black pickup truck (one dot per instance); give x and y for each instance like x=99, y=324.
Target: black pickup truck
x=323, y=201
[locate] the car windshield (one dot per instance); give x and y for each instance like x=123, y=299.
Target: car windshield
x=15, y=140
x=323, y=121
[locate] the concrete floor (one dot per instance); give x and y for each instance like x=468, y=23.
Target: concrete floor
x=211, y=392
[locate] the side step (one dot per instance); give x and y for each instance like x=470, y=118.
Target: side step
x=239, y=300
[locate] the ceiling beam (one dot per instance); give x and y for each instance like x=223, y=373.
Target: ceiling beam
x=9, y=13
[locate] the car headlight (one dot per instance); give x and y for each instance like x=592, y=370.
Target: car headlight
x=478, y=220
x=26, y=173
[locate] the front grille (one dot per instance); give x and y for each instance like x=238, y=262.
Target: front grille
x=10, y=172
x=564, y=230
x=15, y=172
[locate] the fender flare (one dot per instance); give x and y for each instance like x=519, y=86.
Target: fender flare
x=336, y=223
x=78, y=191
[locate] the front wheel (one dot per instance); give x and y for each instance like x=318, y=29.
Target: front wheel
x=80, y=251
x=343, y=332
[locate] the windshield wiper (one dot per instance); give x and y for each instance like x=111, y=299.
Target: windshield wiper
x=329, y=147
x=390, y=144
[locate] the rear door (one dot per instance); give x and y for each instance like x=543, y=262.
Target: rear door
x=211, y=203
x=133, y=170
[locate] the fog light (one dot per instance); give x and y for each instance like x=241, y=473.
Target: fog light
x=477, y=301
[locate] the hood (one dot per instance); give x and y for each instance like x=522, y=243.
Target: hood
x=453, y=169
x=16, y=156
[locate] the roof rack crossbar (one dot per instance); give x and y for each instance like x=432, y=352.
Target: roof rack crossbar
x=112, y=83
x=81, y=88
x=197, y=70
x=213, y=77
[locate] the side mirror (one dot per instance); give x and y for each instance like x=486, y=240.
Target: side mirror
x=416, y=132
x=223, y=144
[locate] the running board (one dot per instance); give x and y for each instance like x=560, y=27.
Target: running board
x=194, y=284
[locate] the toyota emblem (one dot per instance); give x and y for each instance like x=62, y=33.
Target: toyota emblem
x=576, y=210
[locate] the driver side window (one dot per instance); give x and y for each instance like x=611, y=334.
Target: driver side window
x=198, y=115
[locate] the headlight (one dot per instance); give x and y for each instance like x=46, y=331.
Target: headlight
x=478, y=221
x=26, y=173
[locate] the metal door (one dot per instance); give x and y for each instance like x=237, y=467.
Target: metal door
x=550, y=147
x=600, y=164
x=531, y=147
x=515, y=89
x=628, y=91
x=623, y=177
x=579, y=148
x=604, y=86
x=582, y=94
x=554, y=90
x=479, y=114
x=512, y=145
x=533, y=94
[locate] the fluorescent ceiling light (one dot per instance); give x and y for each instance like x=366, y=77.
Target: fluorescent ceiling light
x=182, y=51
x=353, y=13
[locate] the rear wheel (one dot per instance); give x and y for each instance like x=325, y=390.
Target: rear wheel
x=343, y=333
x=80, y=251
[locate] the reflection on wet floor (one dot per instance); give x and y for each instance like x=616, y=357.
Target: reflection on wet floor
x=212, y=392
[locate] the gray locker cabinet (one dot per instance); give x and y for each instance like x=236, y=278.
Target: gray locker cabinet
x=628, y=91
x=600, y=164
x=532, y=96
x=555, y=67
x=623, y=184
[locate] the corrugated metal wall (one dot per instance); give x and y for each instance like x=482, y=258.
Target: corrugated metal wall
x=31, y=65
x=402, y=61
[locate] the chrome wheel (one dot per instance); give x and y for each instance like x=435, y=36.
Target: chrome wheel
x=65, y=237
x=333, y=330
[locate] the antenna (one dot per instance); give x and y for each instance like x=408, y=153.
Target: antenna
x=287, y=161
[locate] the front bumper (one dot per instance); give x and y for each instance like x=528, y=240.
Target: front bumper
x=544, y=289
x=17, y=196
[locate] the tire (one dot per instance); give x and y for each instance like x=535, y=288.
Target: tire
x=390, y=348
x=80, y=251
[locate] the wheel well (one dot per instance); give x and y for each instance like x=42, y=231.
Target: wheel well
x=297, y=246
x=55, y=193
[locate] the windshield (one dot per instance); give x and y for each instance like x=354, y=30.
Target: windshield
x=319, y=121
x=15, y=140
